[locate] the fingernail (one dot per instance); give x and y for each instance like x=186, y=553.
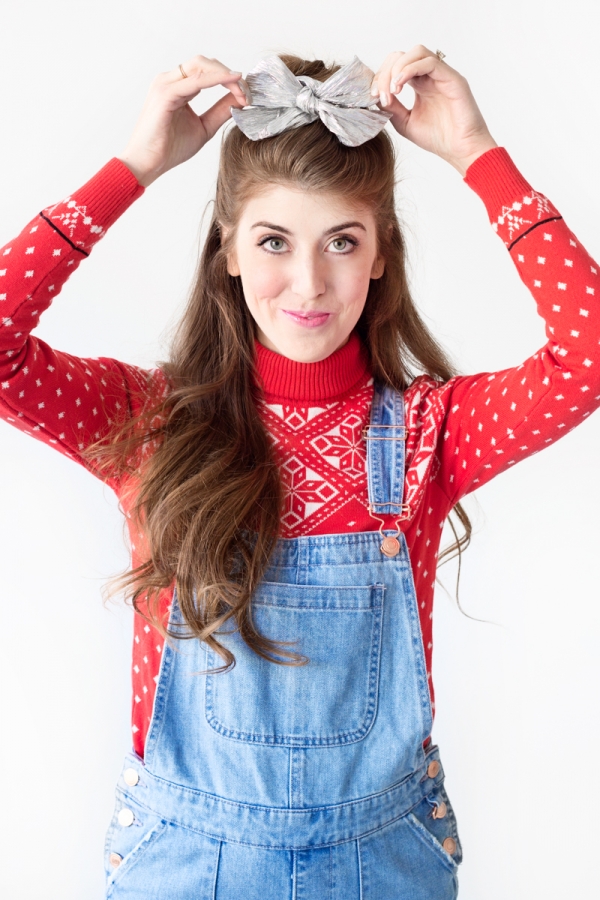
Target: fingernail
x=246, y=92
x=374, y=90
x=393, y=87
x=383, y=98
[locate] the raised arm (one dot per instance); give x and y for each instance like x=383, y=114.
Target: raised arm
x=466, y=431
x=495, y=419
x=63, y=400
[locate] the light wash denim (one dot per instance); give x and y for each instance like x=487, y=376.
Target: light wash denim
x=298, y=783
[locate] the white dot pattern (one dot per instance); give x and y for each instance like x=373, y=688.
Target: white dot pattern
x=461, y=434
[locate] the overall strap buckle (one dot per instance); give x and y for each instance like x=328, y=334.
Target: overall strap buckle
x=390, y=545
x=401, y=436
x=385, y=438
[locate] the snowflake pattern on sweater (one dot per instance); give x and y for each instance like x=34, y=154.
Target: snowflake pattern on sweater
x=322, y=460
x=460, y=434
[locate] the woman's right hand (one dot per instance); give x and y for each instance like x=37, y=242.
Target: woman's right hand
x=168, y=131
x=444, y=118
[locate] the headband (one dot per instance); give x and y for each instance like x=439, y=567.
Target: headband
x=282, y=100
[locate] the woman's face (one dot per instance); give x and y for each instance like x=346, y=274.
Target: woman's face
x=305, y=261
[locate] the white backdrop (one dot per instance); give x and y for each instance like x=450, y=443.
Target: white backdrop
x=517, y=701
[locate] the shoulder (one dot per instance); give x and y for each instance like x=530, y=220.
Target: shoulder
x=426, y=402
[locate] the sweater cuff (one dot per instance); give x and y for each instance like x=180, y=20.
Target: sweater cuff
x=512, y=205
x=109, y=192
x=85, y=216
x=497, y=181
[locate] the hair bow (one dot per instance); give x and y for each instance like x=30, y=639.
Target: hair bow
x=282, y=100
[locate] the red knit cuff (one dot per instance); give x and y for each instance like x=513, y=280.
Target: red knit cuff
x=109, y=192
x=85, y=216
x=496, y=179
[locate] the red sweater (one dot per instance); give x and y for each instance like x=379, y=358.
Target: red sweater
x=461, y=433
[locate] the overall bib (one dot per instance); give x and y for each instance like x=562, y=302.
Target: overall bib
x=312, y=782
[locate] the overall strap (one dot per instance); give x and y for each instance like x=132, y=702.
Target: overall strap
x=386, y=442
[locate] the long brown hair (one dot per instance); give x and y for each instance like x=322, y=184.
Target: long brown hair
x=208, y=497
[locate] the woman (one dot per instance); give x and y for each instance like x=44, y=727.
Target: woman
x=286, y=476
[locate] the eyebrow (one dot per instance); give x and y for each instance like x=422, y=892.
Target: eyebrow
x=328, y=231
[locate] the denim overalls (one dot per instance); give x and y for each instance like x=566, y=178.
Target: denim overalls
x=275, y=782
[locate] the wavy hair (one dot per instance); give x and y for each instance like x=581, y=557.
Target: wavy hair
x=208, y=497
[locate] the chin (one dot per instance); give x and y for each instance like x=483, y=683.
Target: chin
x=309, y=354
x=307, y=351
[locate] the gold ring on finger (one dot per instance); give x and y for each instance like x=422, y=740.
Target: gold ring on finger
x=440, y=55
x=182, y=71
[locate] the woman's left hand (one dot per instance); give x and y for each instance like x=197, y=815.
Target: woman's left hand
x=445, y=118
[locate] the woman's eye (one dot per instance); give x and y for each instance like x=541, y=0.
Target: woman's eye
x=343, y=244
x=275, y=244
x=339, y=241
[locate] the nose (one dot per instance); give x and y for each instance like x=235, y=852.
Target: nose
x=308, y=277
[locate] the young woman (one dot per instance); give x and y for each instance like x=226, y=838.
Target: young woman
x=286, y=477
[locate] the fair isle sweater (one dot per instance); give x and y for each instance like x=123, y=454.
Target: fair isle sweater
x=460, y=434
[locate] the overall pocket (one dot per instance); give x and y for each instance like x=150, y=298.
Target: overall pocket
x=132, y=831
x=434, y=822
x=330, y=700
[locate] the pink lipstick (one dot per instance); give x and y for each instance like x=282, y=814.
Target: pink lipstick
x=307, y=319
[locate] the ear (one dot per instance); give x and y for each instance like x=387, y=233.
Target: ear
x=378, y=267
x=232, y=266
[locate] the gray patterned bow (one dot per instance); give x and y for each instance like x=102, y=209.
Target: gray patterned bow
x=282, y=100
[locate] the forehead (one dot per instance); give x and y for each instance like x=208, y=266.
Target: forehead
x=294, y=207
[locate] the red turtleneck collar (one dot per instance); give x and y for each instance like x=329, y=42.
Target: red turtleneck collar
x=328, y=379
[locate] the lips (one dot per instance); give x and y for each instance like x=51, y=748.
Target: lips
x=311, y=319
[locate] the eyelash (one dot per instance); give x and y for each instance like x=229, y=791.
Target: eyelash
x=276, y=237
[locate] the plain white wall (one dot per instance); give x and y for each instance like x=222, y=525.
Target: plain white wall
x=517, y=701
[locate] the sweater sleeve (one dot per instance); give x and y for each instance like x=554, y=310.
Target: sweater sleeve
x=495, y=419
x=63, y=400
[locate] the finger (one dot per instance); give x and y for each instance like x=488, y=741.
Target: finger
x=381, y=79
x=419, y=51
x=217, y=115
x=402, y=61
x=430, y=65
x=400, y=115
x=205, y=68
x=202, y=73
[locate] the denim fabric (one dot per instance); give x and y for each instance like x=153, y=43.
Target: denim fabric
x=276, y=782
